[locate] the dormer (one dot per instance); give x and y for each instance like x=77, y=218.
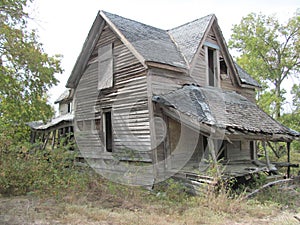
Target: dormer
x=204, y=48
x=64, y=102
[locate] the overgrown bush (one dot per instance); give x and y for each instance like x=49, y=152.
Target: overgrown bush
x=24, y=170
x=173, y=191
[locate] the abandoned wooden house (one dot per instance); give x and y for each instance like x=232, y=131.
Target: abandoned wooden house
x=59, y=130
x=151, y=103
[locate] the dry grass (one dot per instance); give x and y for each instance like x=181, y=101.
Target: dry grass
x=107, y=203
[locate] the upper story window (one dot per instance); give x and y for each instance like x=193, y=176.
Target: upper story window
x=69, y=107
x=211, y=67
x=213, y=64
x=105, y=67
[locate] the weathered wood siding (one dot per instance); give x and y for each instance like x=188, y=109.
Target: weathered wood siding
x=227, y=81
x=238, y=150
x=164, y=81
x=198, y=71
x=127, y=100
x=211, y=37
x=63, y=108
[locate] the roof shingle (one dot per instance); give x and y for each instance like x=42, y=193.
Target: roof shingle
x=222, y=109
x=189, y=35
x=152, y=43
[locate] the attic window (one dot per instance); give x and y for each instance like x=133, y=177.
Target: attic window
x=105, y=67
x=223, y=66
x=213, y=66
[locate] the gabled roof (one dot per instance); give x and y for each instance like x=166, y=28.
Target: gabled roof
x=245, y=77
x=176, y=47
x=225, y=110
x=154, y=44
x=189, y=36
x=66, y=96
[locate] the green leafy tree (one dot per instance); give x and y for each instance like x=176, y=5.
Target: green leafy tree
x=26, y=71
x=292, y=119
x=270, y=51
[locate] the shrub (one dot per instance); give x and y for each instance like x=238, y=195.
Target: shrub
x=24, y=170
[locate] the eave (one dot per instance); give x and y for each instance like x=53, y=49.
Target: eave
x=86, y=51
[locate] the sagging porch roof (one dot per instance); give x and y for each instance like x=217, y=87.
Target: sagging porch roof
x=225, y=111
x=40, y=126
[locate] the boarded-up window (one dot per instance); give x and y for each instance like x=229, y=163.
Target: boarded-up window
x=105, y=67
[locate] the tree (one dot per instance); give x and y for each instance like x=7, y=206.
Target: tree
x=26, y=71
x=270, y=51
x=292, y=119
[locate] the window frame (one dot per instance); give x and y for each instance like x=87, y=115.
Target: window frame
x=105, y=113
x=216, y=64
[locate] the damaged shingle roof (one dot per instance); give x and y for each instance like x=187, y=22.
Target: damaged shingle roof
x=176, y=47
x=152, y=43
x=65, y=96
x=245, y=77
x=189, y=35
x=222, y=109
x=39, y=125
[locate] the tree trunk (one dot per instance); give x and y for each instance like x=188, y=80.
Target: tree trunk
x=278, y=100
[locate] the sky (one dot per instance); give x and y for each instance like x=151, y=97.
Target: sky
x=63, y=25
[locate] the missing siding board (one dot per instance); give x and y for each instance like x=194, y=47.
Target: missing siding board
x=105, y=67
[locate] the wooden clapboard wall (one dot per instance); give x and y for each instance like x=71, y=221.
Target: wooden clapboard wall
x=127, y=99
x=227, y=82
x=163, y=81
x=238, y=150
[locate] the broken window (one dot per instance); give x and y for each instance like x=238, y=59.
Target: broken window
x=223, y=66
x=69, y=107
x=213, y=66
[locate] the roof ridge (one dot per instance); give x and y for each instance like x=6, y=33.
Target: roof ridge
x=132, y=20
x=190, y=22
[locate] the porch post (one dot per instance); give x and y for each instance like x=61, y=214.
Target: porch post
x=211, y=147
x=46, y=140
x=53, y=139
x=266, y=155
x=288, y=146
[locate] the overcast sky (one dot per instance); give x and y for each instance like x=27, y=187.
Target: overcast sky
x=64, y=24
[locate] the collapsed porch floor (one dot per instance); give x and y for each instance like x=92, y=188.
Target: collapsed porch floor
x=203, y=176
x=229, y=168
